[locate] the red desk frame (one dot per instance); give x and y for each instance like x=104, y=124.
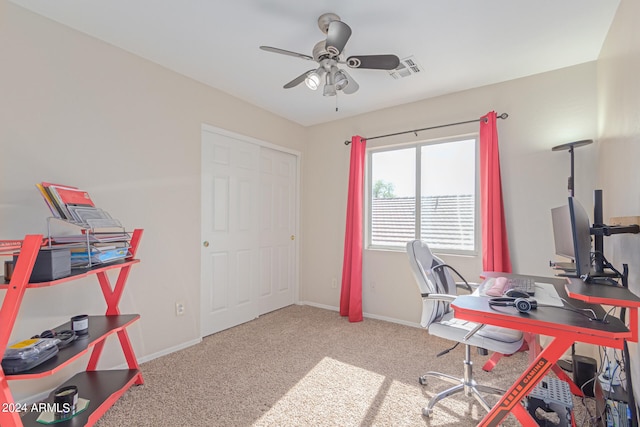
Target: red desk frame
x=564, y=326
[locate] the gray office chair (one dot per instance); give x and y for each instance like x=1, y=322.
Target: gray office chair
x=438, y=289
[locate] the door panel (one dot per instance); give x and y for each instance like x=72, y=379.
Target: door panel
x=230, y=187
x=277, y=229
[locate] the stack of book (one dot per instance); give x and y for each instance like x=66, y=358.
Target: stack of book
x=66, y=202
x=99, y=255
x=102, y=238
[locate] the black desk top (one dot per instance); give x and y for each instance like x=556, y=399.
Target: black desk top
x=601, y=294
x=543, y=320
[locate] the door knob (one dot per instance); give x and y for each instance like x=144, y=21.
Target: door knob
x=205, y=244
x=293, y=237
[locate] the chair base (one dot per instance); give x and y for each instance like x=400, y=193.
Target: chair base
x=465, y=384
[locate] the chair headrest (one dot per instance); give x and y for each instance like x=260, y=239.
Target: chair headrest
x=419, y=250
x=421, y=261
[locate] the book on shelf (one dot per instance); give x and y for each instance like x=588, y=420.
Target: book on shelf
x=55, y=211
x=98, y=256
x=84, y=213
x=73, y=196
x=75, y=205
x=92, y=238
x=56, y=201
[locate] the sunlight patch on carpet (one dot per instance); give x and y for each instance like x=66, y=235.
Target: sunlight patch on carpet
x=336, y=393
x=401, y=404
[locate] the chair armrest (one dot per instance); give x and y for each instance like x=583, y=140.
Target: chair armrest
x=440, y=297
x=467, y=285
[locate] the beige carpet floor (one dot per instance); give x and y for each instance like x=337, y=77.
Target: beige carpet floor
x=305, y=366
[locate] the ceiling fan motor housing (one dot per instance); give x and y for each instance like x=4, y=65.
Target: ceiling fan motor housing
x=325, y=19
x=320, y=52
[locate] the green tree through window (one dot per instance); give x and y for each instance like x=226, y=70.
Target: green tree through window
x=383, y=190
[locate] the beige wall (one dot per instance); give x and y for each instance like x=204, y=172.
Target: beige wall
x=78, y=111
x=544, y=110
x=619, y=142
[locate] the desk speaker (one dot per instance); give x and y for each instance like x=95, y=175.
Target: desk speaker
x=584, y=370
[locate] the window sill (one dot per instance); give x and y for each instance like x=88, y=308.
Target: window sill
x=435, y=252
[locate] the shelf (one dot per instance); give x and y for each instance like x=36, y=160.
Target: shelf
x=75, y=274
x=101, y=388
x=601, y=294
x=100, y=327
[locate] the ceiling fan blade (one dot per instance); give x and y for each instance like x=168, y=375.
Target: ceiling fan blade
x=286, y=52
x=374, y=62
x=295, y=82
x=337, y=37
x=352, y=86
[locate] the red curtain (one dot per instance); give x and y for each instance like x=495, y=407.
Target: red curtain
x=495, y=247
x=351, y=291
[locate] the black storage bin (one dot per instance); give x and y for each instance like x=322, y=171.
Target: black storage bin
x=51, y=264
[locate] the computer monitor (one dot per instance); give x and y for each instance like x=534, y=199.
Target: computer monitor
x=581, y=233
x=562, y=234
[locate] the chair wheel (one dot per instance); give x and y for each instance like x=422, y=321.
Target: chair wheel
x=422, y=380
x=427, y=412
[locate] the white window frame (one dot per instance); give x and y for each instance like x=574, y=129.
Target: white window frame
x=418, y=146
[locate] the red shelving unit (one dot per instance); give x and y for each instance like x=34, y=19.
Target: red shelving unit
x=101, y=388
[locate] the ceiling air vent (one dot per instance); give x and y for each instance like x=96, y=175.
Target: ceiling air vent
x=408, y=66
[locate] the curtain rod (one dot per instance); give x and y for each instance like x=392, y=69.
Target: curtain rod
x=501, y=116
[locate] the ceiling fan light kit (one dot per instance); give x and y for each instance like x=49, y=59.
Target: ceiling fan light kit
x=313, y=80
x=328, y=54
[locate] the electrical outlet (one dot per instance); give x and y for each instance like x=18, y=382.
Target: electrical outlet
x=180, y=308
x=334, y=283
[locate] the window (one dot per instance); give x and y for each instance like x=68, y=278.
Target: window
x=442, y=176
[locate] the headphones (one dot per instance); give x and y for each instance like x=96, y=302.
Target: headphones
x=524, y=305
x=65, y=337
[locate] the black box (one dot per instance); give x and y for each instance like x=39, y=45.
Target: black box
x=585, y=372
x=51, y=264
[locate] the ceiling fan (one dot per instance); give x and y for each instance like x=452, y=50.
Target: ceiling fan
x=328, y=54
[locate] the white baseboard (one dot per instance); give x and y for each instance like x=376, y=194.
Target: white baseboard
x=392, y=320
x=164, y=352
x=313, y=304
x=43, y=395
x=364, y=314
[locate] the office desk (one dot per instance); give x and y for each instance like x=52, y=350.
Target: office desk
x=532, y=340
x=565, y=327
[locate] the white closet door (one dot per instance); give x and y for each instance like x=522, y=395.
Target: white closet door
x=278, y=180
x=230, y=205
x=249, y=221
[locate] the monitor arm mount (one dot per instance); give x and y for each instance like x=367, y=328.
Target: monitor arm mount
x=599, y=230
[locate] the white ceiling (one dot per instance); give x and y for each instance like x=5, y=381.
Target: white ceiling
x=460, y=44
